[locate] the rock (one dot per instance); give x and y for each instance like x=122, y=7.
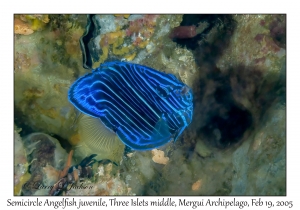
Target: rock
x=202, y=149
x=196, y=185
x=159, y=157
x=43, y=151
x=21, y=174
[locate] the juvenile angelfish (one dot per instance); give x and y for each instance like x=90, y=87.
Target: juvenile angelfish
x=144, y=107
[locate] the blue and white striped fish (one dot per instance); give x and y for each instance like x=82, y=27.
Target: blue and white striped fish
x=144, y=107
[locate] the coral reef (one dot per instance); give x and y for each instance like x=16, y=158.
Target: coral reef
x=183, y=32
x=49, y=164
x=22, y=28
x=21, y=174
x=107, y=182
x=44, y=66
x=125, y=36
x=235, y=64
x=196, y=185
x=266, y=158
x=43, y=151
x=256, y=45
x=27, y=24
x=159, y=157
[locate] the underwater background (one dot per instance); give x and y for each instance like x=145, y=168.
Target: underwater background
x=235, y=66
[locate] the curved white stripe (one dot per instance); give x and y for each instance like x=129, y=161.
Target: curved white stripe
x=113, y=105
x=113, y=69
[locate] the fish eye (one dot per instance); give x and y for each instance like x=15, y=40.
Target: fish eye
x=184, y=90
x=186, y=93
